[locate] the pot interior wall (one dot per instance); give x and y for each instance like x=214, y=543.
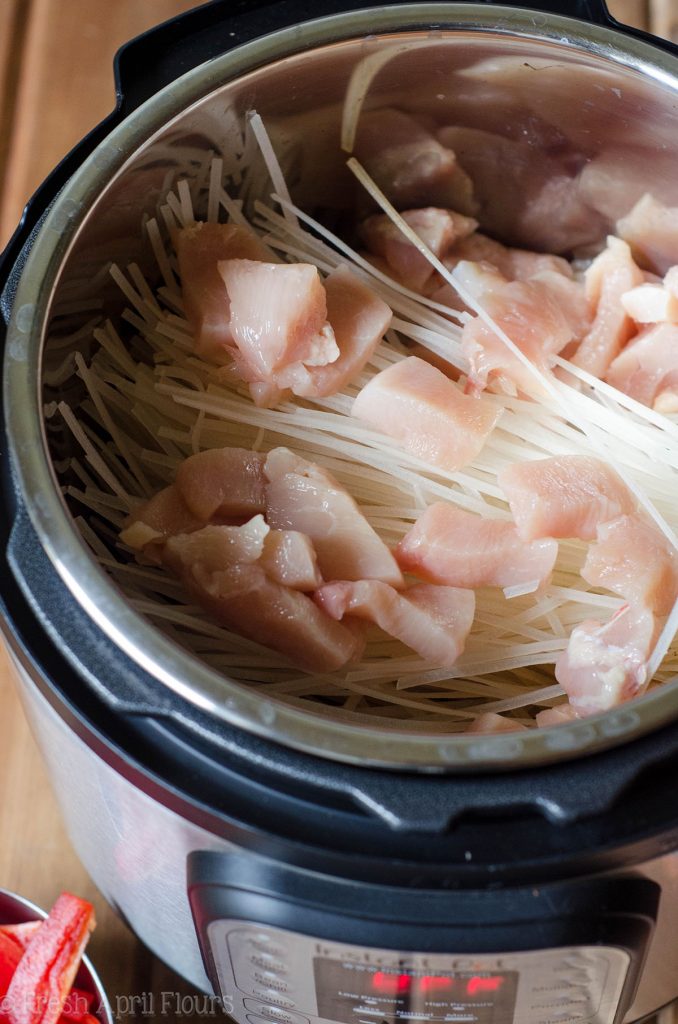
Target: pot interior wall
x=591, y=135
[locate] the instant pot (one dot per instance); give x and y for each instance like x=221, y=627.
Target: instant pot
x=305, y=868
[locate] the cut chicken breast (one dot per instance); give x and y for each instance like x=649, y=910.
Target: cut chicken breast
x=490, y=722
x=219, y=567
x=609, y=277
x=648, y=366
x=438, y=229
x=199, y=248
x=530, y=314
x=410, y=166
x=532, y=201
x=288, y=557
x=426, y=413
x=460, y=549
x=605, y=665
x=433, y=621
x=632, y=558
x=163, y=515
x=563, y=714
x=278, y=315
x=651, y=229
x=651, y=304
x=223, y=482
x=514, y=264
x=564, y=496
x=302, y=496
x=359, y=319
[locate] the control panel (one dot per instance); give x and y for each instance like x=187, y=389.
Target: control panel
x=273, y=975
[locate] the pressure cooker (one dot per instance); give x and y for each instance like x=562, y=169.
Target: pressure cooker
x=303, y=868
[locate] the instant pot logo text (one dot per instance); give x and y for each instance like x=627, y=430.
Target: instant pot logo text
x=155, y=1005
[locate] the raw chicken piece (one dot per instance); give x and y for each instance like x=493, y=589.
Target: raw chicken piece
x=460, y=549
x=564, y=496
x=563, y=714
x=605, y=665
x=438, y=229
x=648, y=366
x=618, y=177
x=610, y=275
x=446, y=367
x=266, y=395
x=218, y=565
x=359, y=319
x=526, y=195
x=289, y=558
x=514, y=264
x=651, y=304
x=302, y=496
x=199, y=248
x=165, y=514
x=632, y=558
x=278, y=315
x=667, y=402
x=426, y=413
x=490, y=722
x=409, y=164
x=570, y=295
x=531, y=315
x=433, y=621
x=224, y=482
x=651, y=229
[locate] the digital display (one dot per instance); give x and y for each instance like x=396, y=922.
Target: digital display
x=363, y=993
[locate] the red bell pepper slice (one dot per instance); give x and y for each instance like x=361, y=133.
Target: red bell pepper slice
x=45, y=973
x=10, y=955
x=21, y=933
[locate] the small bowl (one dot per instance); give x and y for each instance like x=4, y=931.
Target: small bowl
x=17, y=910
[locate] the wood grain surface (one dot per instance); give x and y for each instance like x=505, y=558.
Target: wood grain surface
x=56, y=83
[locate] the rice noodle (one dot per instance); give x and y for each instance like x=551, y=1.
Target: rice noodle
x=150, y=401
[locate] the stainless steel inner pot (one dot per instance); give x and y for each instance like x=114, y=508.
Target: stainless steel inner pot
x=614, y=98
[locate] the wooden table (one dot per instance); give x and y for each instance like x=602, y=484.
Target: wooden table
x=55, y=83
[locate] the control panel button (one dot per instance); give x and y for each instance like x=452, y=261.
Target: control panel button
x=268, y=979
x=272, y=995
x=267, y=962
x=272, y=1013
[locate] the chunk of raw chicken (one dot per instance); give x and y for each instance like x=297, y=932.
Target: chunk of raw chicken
x=460, y=549
x=289, y=558
x=278, y=315
x=514, y=264
x=490, y=722
x=163, y=515
x=224, y=482
x=632, y=558
x=426, y=413
x=219, y=566
x=605, y=665
x=526, y=195
x=438, y=229
x=610, y=275
x=563, y=714
x=530, y=313
x=651, y=229
x=617, y=179
x=433, y=621
x=564, y=496
x=199, y=248
x=305, y=497
x=359, y=319
x=409, y=164
x=651, y=304
x=648, y=366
